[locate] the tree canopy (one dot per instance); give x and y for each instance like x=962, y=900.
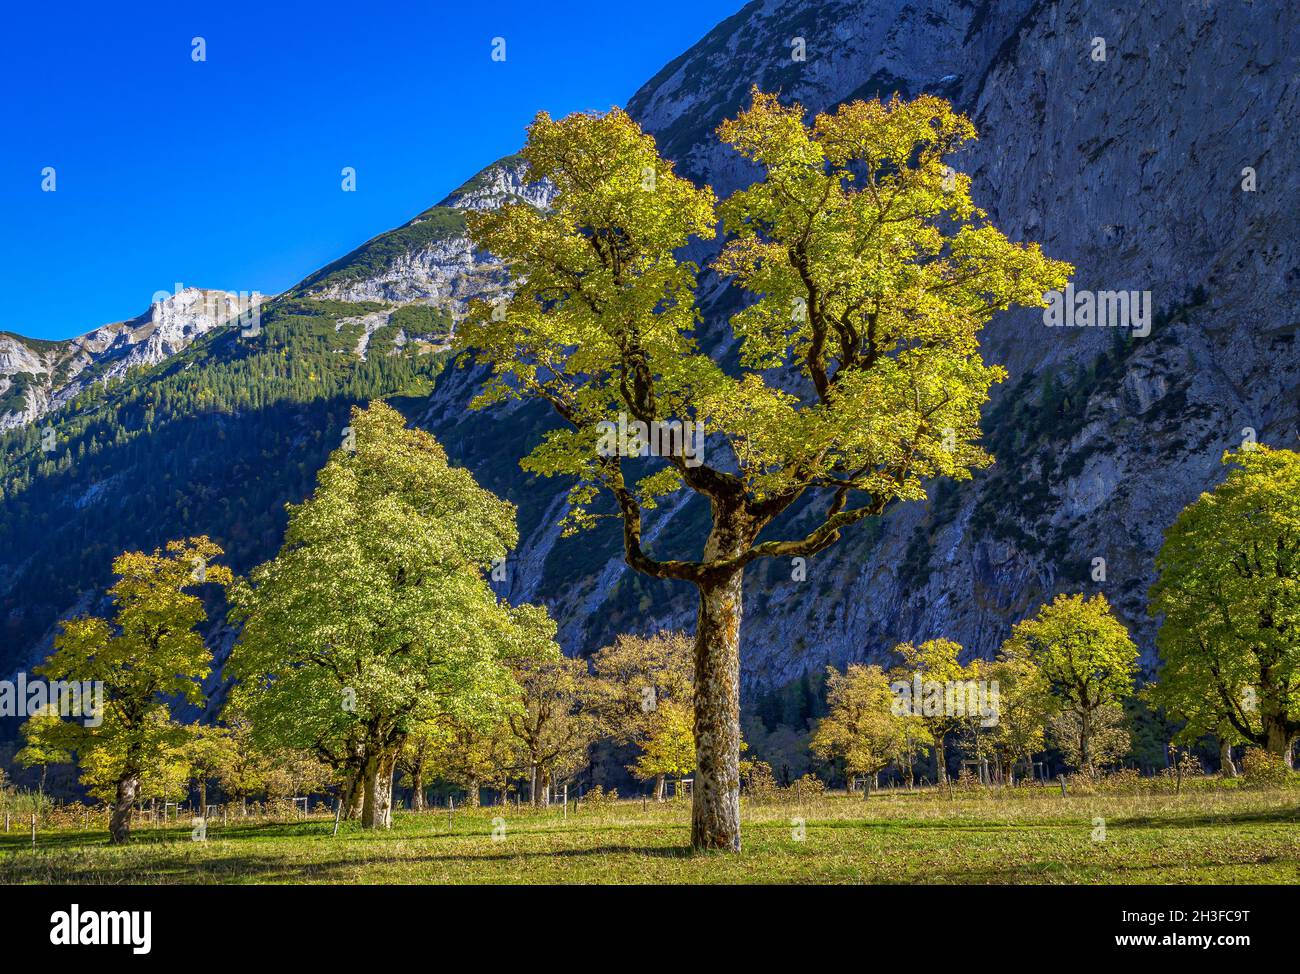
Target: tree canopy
x=148, y=652
x=861, y=730
x=872, y=272
x=1229, y=593
x=377, y=616
x=1086, y=657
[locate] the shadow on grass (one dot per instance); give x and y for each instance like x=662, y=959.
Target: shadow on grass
x=412, y=853
x=239, y=869
x=1289, y=816
x=1063, y=820
x=80, y=839
x=270, y=868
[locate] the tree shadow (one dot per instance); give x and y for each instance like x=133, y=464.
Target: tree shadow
x=169, y=869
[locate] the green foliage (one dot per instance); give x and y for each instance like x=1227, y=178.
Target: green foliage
x=14, y=399
x=668, y=746
x=602, y=318
x=555, y=715
x=1024, y=707
x=149, y=652
x=239, y=761
x=861, y=731
x=467, y=753
x=643, y=693
x=152, y=760
x=935, y=661
x=1087, y=658
x=421, y=319
x=41, y=734
x=376, y=616
x=1264, y=770
x=1229, y=594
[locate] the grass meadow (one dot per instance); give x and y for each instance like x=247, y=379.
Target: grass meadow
x=1209, y=832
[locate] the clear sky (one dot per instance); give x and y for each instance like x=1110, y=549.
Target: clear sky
x=225, y=173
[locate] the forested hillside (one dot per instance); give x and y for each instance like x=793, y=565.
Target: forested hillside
x=213, y=440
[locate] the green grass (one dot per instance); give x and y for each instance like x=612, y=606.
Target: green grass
x=434, y=225
x=1029, y=835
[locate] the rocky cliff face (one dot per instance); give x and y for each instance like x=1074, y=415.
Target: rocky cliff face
x=1146, y=146
x=1149, y=146
x=37, y=377
x=429, y=260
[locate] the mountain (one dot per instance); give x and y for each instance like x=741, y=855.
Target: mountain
x=37, y=377
x=1131, y=167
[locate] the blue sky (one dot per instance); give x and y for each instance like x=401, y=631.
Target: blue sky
x=226, y=173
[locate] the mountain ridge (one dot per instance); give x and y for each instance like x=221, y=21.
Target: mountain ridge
x=37, y=376
x=1100, y=436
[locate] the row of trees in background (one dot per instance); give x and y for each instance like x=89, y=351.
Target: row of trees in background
x=373, y=645
x=1061, y=676
x=635, y=693
x=371, y=641
x=1228, y=600
x=552, y=710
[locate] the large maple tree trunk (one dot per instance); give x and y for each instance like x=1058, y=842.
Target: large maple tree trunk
x=1279, y=737
x=1085, y=740
x=1226, y=766
x=119, y=823
x=715, y=797
x=377, y=807
x=353, y=794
